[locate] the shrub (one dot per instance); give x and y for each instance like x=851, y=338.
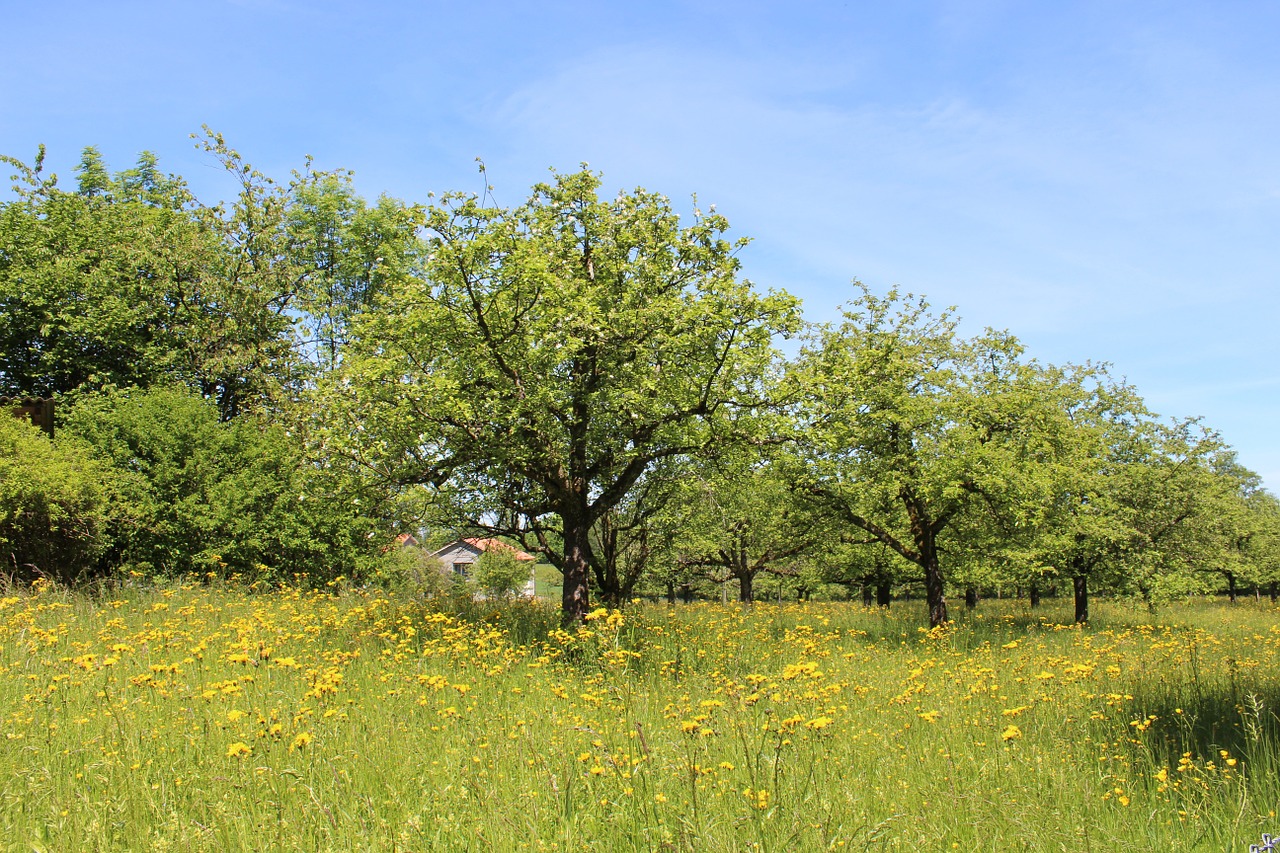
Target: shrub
x=499, y=574
x=410, y=570
x=55, y=504
x=206, y=495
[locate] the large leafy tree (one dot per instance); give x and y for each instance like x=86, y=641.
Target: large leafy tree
x=128, y=280
x=549, y=355
x=920, y=438
x=87, y=277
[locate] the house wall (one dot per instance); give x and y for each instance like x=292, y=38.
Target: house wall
x=461, y=552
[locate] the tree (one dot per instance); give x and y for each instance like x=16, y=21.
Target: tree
x=919, y=438
x=548, y=356
x=744, y=519
x=130, y=281
x=500, y=574
x=87, y=278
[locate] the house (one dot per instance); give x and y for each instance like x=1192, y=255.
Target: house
x=460, y=556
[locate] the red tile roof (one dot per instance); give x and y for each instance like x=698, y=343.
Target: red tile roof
x=499, y=545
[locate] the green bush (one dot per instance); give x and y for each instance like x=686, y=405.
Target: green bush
x=410, y=570
x=55, y=505
x=203, y=495
x=500, y=575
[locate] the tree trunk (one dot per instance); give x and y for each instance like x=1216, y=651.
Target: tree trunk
x=970, y=598
x=574, y=602
x=1273, y=591
x=671, y=592
x=884, y=593
x=934, y=588
x=746, y=594
x=1081, y=584
x=1231, y=586
x=1033, y=592
x=867, y=593
x=924, y=534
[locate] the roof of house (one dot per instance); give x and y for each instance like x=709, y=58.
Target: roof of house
x=487, y=544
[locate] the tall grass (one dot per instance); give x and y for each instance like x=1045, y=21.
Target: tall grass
x=215, y=719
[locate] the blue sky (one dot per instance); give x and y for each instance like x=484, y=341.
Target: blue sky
x=1101, y=179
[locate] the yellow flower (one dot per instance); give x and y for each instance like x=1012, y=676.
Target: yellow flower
x=303, y=739
x=1011, y=733
x=819, y=723
x=238, y=749
x=929, y=716
x=234, y=715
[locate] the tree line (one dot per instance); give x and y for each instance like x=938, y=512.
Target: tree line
x=276, y=385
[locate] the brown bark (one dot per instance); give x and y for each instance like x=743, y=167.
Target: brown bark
x=1081, y=586
x=970, y=598
x=574, y=601
x=1034, y=594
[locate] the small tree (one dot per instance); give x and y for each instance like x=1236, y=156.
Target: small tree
x=500, y=574
x=410, y=570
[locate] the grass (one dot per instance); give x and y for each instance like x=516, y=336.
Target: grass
x=202, y=718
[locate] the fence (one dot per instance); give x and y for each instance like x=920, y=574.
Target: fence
x=35, y=409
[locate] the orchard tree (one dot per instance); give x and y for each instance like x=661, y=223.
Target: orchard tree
x=916, y=435
x=548, y=356
x=745, y=519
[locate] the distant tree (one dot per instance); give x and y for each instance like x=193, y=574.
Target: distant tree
x=744, y=520
x=917, y=436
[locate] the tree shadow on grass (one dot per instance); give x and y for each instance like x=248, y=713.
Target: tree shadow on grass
x=1240, y=718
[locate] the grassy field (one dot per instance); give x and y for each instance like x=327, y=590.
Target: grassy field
x=201, y=718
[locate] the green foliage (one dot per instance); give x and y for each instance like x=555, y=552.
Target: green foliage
x=500, y=575
x=55, y=505
x=742, y=518
x=203, y=495
x=409, y=570
x=89, y=280
x=548, y=356
x=130, y=281
x=925, y=442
